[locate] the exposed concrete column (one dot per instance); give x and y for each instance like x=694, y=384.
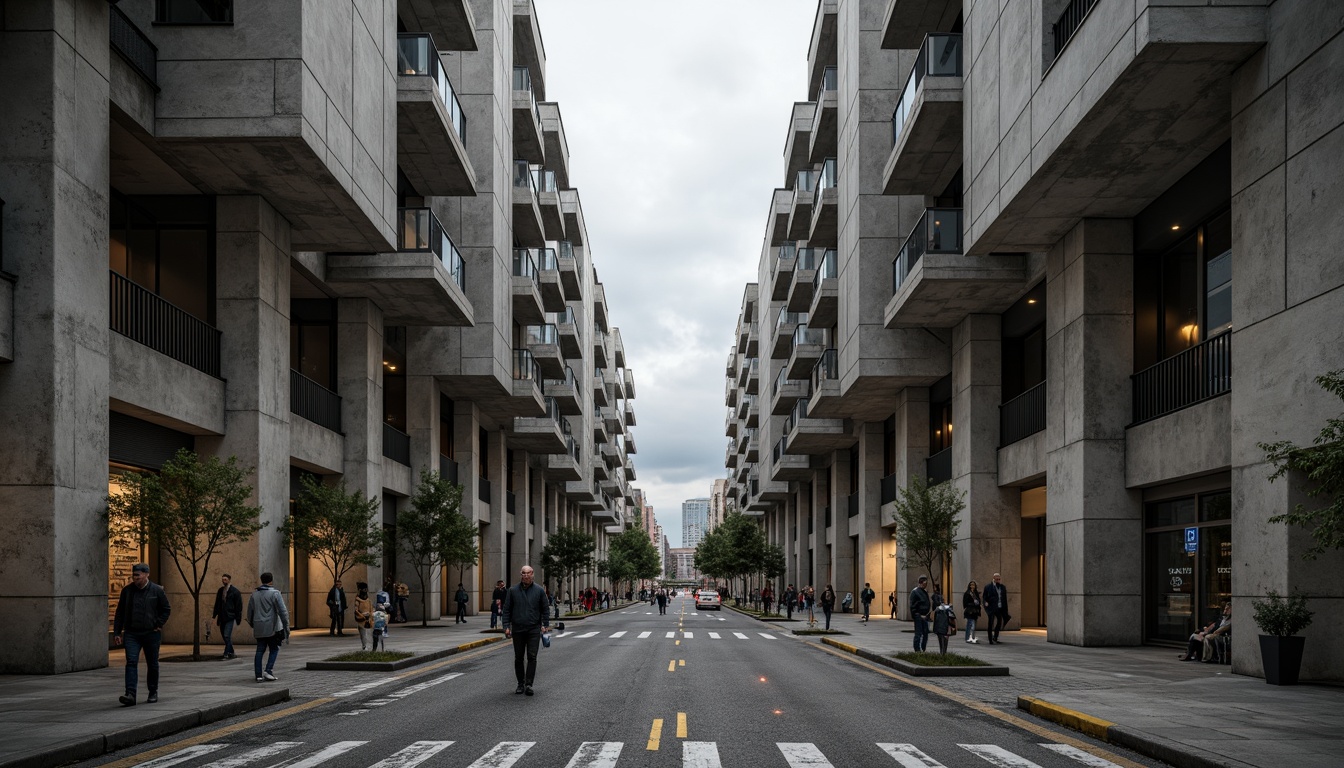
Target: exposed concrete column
x=466, y=446
x=912, y=453
x=422, y=425
x=1094, y=529
x=494, y=536
x=359, y=382
x=841, y=576
x=54, y=395
x=989, y=539
x=252, y=311
x=874, y=541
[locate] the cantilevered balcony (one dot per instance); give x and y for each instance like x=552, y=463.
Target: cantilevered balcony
x=527, y=382
x=543, y=339
x=822, y=138
x=548, y=195
x=823, y=45
x=569, y=260
x=143, y=316
x=600, y=307
x=630, y=448
x=526, y=290
x=822, y=231
x=751, y=444
x=786, y=466
x=565, y=391
x=797, y=146
x=611, y=455
x=782, y=337
x=804, y=192
x=730, y=455
x=557, y=145
x=431, y=127
x=600, y=357
x=527, y=141
x=629, y=414
x=825, y=291
x=423, y=283
x=541, y=434
x=742, y=407
x=548, y=279
x=731, y=369
x=598, y=468
x=781, y=270
x=752, y=341
x=528, y=49
x=731, y=393
x=451, y=22
x=825, y=400
x=808, y=435
x=600, y=387
x=612, y=420
x=630, y=384
x=784, y=392
x=599, y=425
x=618, y=350
x=906, y=22
x=804, y=271
x=565, y=464
x=750, y=377
x=805, y=348
x=781, y=205
x=935, y=285
x=926, y=126
x=527, y=226
x=731, y=422
x=571, y=338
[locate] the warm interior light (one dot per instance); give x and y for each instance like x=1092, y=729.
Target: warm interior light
x=1189, y=332
x=1031, y=301
x=762, y=679
x=1175, y=227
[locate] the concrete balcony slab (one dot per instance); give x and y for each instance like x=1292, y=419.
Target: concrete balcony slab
x=429, y=150
x=528, y=50
x=804, y=358
x=557, y=146
x=552, y=218
x=527, y=142
x=821, y=141
x=600, y=307
x=562, y=466
x=600, y=393
x=825, y=303
x=571, y=343
x=781, y=274
x=781, y=205
x=552, y=290
x=790, y=467
x=786, y=395
x=575, y=229
x=566, y=396
x=818, y=436
x=797, y=145
x=450, y=22
x=927, y=153
x=528, y=230
x=800, y=214
x=943, y=288
x=822, y=45
x=578, y=490
x=781, y=346
x=527, y=306
x=412, y=288
x=540, y=435
x=822, y=232
x=800, y=289
x=549, y=358
x=908, y=21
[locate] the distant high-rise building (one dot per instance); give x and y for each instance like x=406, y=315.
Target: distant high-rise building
x=694, y=521
x=683, y=559
x=718, y=504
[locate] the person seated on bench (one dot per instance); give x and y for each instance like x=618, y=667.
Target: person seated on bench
x=1202, y=642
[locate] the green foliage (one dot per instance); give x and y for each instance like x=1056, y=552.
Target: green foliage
x=432, y=533
x=191, y=508
x=926, y=659
x=570, y=552
x=630, y=556
x=1276, y=615
x=373, y=656
x=1323, y=465
x=335, y=525
x=926, y=519
x=738, y=549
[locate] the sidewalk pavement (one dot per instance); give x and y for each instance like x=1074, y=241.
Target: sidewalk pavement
x=57, y=719
x=1188, y=714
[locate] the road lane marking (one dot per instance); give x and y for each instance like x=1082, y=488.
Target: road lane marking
x=677, y=643
x=655, y=734
x=252, y=756
x=182, y=755
x=585, y=634
x=596, y=754
x=505, y=754
x=681, y=662
x=767, y=635
x=700, y=754
x=983, y=708
x=563, y=634
x=689, y=635
x=353, y=712
x=151, y=754
x=325, y=754
x=1077, y=754
x=909, y=757
x=713, y=635
x=643, y=635
x=740, y=636
x=803, y=755
x=619, y=634
x=413, y=755
x=378, y=702
x=672, y=666
x=418, y=687
x=671, y=635
x=681, y=725
x=362, y=687
x=996, y=755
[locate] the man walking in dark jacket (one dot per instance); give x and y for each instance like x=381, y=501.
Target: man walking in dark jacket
x=461, y=598
x=142, y=610
x=336, y=605
x=920, y=606
x=526, y=619
x=228, y=612
x=497, y=602
x=866, y=598
x=996, y=607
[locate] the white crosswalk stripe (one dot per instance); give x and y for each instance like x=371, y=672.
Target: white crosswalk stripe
x=643, y=635
x=671, y=635
x=252, y=756
x=802, y=755
x=418, y=687
x=767, y=635
x=996, y=755
x=325, y=754
x=585, y=634
x=1085, y=758
x=596, y=754
x=689, y=635
x=182, y=755
x=713, y=635
x=700, y=754
x=413, y=755
x=909, y=757
x=619, y=634
x=505, y=754
x=740, y=636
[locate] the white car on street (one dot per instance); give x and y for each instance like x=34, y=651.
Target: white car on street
x=706, y=599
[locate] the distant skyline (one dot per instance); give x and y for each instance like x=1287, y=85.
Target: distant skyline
x=676, y=115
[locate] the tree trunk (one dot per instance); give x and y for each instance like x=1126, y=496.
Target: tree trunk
x=196, y=631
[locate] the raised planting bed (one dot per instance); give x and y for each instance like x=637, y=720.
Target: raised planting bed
x=393, y=666
x=976, y=668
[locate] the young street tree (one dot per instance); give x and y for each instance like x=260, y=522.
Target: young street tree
x=570, y=552
x=1323, y=465
x=927, y=518
x=631, y=556
x=191, y=508
x=335, y=526
x=427, y=532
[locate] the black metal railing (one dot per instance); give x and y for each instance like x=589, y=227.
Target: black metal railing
x=421, y=231
x=938, y=231
x=1069, y=21
x=314, y=402
x=417, y=55
x=854, y=504
x=826, y=369
x=127, y=40
x=526, y=367
x=940, y=56
x=1022, y=416
x=396, y=445
x=827, y=268
x=447, y=468
x=889, y=488
x=524, y=264
x=1197, y=374
x=148, y=318
x=938, y=467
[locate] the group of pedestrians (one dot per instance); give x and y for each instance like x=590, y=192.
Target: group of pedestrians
x=391, y=601
x=932, y=613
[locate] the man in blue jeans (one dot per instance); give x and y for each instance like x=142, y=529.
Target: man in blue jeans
x=142, y=610
x=920, y=606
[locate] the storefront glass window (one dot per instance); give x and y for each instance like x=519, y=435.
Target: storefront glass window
x=1188, y=556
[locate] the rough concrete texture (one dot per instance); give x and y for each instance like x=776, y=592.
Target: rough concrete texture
x=927, y=152
x=1188, y=443
x=451, y=22
x=429, y=151
x=1023, y=462
x=942, y=288
x=412, y=288
x=156, y=388
x=905, y=22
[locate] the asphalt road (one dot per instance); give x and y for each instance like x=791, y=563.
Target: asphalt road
x=633, y=688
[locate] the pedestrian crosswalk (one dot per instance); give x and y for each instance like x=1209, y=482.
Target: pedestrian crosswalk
x=608, y=754
x=678, y=634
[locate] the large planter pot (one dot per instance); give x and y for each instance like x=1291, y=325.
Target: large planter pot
x=1282, y=658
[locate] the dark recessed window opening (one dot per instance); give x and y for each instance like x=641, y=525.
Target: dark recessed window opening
x=166, y=245
x=193, y=12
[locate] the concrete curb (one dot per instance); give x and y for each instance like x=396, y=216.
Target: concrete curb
x=1178, y=755
x=394, y=666
x=915, y=670
x=88, y=747
x=761, y=619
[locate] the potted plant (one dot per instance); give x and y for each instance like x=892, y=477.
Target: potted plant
x=1280, y=619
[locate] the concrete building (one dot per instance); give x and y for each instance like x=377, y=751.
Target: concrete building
x=718, y=503
x=694, y=521
x=682, y=564
x=334, y=239
x=1024, y=220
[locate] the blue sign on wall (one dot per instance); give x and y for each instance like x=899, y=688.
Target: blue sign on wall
x=1191, y=540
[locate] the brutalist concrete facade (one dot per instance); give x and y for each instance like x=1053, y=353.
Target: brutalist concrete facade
x=342, y=242
x=1063, y=229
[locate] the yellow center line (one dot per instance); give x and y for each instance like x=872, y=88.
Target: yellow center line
x=678, y=642
x=681, y=725
x=988, y=709
x=681, y=663
x=672, y=666
x=126, y=762
x=655, y=733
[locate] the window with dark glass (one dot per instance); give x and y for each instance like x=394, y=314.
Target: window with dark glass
x=483, y=452
x=1023, y=331
x=312, y=339
x=1188, y=563
x=446, y=426
x=194, y=12
x=166, y=245
x=940, y=415
x=889, y=446
x=394, y=376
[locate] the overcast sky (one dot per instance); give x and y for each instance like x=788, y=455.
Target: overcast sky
x=676, y=115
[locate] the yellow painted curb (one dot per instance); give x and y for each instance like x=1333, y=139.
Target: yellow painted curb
x=1092, y=726
x=842, y=646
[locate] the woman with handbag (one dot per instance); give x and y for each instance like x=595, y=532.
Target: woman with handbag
x=363, y=615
